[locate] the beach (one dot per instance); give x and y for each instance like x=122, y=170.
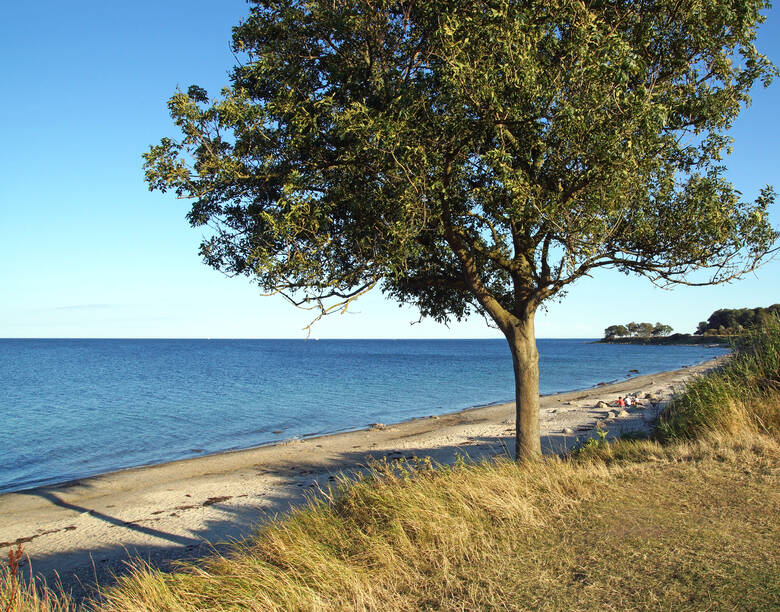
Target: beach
x=84, y=531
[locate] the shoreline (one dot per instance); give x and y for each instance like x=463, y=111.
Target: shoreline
x=311, y=436
x=85, y=529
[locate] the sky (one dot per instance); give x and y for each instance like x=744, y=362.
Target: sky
x=88, y=252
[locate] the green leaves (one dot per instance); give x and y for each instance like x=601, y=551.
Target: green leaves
x=460, y=150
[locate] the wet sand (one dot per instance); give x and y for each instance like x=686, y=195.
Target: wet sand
x=84, y=531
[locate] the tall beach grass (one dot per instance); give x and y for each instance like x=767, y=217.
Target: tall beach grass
x=745, y=393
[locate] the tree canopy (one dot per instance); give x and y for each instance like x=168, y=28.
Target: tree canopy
x=473, y=157
x=734, y=320
x=660, y=330
x=637, y=330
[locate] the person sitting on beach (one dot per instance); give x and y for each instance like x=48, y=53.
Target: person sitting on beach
x=621, y=402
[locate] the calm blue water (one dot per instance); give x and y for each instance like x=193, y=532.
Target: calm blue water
x=75, y=408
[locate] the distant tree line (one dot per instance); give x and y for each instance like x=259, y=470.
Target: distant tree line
x=637, y=330
x=723, y=322
x=729, y=321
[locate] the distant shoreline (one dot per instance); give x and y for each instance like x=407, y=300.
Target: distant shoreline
x=673, y=340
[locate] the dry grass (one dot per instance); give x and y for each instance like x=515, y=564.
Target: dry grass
x=683, y=529
x=23, y=597
x=688, y=524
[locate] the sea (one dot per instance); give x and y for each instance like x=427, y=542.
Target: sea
x=74, y=408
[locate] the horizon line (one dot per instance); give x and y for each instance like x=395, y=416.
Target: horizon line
x=272, y=338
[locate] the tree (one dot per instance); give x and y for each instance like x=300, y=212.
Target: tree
x=645, y=330
x=473, y=157
x=633, y=329
x=615, y=331
x=732, y=321
x=661, y=329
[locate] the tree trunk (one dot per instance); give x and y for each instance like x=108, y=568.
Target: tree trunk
x=525, y=359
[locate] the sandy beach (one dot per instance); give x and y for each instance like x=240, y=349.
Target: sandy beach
x=82, y=532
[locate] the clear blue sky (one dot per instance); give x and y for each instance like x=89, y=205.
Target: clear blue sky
x=88, y=251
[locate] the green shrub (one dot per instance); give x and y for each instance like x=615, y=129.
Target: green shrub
x=743, y=393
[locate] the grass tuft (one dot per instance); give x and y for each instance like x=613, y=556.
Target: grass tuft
x=19, y=596
x=743, y=394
